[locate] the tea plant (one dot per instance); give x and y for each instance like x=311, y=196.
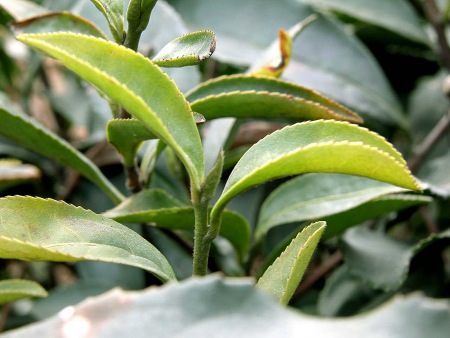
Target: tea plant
x=345, y=174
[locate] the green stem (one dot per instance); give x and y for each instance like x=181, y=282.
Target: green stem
x=202, y=243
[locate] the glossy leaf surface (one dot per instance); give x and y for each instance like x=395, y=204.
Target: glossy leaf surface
x=57, y=22
x=281, y=279
x=318, y=146
x=14, y=289
x=187, y=50
x=30, y=134
x=262, y=96
x=398, y=16
x=381, y=260
x=126, y=136
x=113, y=12
x=156, y=206
x=35, y=229
x=237, y=310
x=152, y=96
x=315, y=196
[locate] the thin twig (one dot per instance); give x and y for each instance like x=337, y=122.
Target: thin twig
x=4, y=316
x=430, y=141
x=437, y=21
x=318, y=273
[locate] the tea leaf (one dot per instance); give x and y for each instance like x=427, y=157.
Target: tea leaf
x=14, y=289
x=35, y=229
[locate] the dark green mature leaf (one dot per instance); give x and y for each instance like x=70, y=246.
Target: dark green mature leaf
x=317, y=146
x=14, y=289
x=187, y=50
x=127, y=136
x=281, y=279
x=30, y=134
x=57, y=22
x=151, y=97
x=379, y=260
x=113, y=12
x=21, y=9
x=261, y=96
x=377, y=207
x=211, y=307
x=156, y=206
x=397, y=16
x=315, y=196
x=35, y=229
x=356, y=80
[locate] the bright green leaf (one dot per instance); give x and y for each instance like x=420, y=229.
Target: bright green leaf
x=14, y=289
x=127, y=136
x=21, y=9
x=380, y=260
x=261, y=96
x=187, y=50
x=317, y=146
x=113, y=12
x=398, y=16
x=35, y=229
x=30, y=134
x=156, y=206
x=57, y=22
x=315, y=196
x=134, y=82
x=281, y=279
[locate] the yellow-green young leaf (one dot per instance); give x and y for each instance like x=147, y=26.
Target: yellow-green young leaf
x=113, y=12
x=57, y=22
x=317, y=146
x=156, y=206
x=35, y=229
x=14, y=289
x=187, y=50
x=127, y=136
x=262, y=96
x=134, y=82
x=30, y=134
x=281, y=279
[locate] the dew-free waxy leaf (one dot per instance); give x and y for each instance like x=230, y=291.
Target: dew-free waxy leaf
x=35, y=229
x=14, y=289
x=113, y=12
x=32, y=135
x=126, y=136
x=261, y=96
x=315, y=196
x=134, y=82
x=317, y=146
x=187, y=50
x=281, y=279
